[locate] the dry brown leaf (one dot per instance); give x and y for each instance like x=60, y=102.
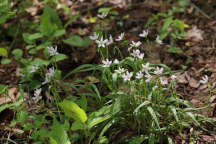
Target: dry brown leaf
x=12, y=96
x=194, y=83
x=194, y=34
x=182, y=78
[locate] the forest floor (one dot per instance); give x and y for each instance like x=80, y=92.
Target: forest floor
x=197, y=59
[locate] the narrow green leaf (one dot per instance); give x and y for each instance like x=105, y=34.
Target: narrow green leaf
x=71, y=20
x=175, y=50
x=170, y=141
x=151, y=111
x=192, y=117
x=174, y=113
x=99, y=116
x=82, y=68
x=97, y=120
x=141, y=105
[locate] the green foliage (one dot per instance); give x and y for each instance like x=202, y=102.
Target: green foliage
x=3, y=52
x=5, y=11
x=77, y=41
x=72, y=110
x=102, y=105
x=49, y=22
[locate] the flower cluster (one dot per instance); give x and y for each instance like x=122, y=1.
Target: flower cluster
x=49, y=75
x=107, y=62
x=34, y=68
x=37, y=95
x=101, y=42
x=52, y=50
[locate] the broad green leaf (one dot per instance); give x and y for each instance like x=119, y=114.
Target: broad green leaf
x=72, y=110
x=5, y=61
x=77, y=125
x=3, y=52
x=50, y=22
x=52, y=141
x=59, y=33
x=17, y=53
x=151, y=111
x=40, y=62
x=167, y=22
x=59, y=57
x=58, y=133
x=105, y=10
x=77, y=41
x=35, y=36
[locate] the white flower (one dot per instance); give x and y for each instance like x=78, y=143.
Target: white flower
x=34, y=68
x=110, y=41
x=135, y=44
x=101, y=42
x=94, y=36
x=127, y=76
x=144, y=33
x=120, y=92
x=173, y=77
x=158, y=71
x=154, y=88
x=148, y=77
x=120, y=70
x=158, y=40
x=141, y=56
x=146, y=68
x=102, y=15
x=49, y=75
x=163, y=81
x=139, y=75
x=120, y=38
x=204, y=79
x=116, y=61
x=106, y=63
x=37, y=96
x=52, y=51
x=135, y=53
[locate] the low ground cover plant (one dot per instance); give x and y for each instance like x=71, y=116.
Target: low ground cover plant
x=133, y=100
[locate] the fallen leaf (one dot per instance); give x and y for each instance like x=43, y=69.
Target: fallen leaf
x=12, y=96
x=194, y=34
x=194, y=83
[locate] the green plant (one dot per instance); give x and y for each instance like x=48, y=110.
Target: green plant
x=172, y=27
x=130, y=95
